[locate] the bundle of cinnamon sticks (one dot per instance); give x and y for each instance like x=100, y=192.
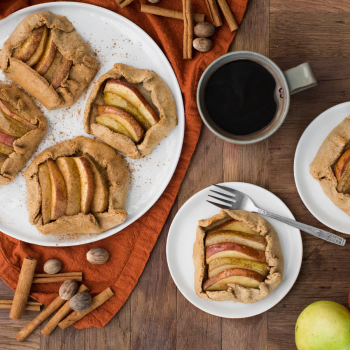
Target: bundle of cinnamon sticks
x=63, y=317
x=189, y=17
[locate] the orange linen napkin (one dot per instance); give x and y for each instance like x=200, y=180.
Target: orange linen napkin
x=129, y=249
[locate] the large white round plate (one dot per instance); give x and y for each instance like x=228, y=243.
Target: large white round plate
x=182, y=235
x=114, y=39
x=310, y=191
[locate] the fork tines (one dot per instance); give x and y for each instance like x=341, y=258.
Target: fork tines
x=219, y=205
x=222, y=200
x=228, y=189
x=223, y=194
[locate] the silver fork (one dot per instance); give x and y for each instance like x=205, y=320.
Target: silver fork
x=239, y=200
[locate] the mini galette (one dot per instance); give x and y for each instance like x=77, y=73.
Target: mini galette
x=77, y=186
x=331, y=166
x=130, y=109
x=48, y=58
x=22, y=127
x=237, y=257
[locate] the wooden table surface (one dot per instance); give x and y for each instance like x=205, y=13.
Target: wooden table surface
x=157, y=316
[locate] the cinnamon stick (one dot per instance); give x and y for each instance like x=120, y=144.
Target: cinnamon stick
x=78, y=315
x=37, y=321
x=228, y=15
x=124, y=3
x=25, y=281
x=53, y=279
x=160, y=11
x=61, y=314
x=62, y=274
x=214, y=12
x=188, y=29
x=31, y=305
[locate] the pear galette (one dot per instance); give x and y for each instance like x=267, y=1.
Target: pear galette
x=237, y=256
x=22, y=127
x=77, y=186
x=331, y=166
x=48, y=58
x=130, y=109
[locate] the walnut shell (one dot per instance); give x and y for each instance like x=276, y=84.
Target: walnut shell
x=80, y=301
x=52, y=266
x=97, y=256
x=204, y=29
x=202, y=44
x=68, y=289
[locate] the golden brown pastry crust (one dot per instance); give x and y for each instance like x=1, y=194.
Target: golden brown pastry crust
x=327, y=155
x=69, y=44
x=273, y=252
x=155, y=91
x=24, y=146
x=118, y=178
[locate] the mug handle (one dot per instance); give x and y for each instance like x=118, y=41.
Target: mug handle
x=300, y=78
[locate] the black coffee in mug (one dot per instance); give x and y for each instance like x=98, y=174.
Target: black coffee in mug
x=240, y=97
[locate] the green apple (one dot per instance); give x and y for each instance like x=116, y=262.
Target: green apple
x=323, y=325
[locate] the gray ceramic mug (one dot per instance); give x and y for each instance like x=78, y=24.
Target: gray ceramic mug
x=287, y=83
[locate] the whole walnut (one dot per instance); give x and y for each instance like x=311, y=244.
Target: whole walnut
x=204, y=30
x=202, y=44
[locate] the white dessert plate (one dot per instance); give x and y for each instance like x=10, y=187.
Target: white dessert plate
x=114, y=39
x=310, y=191
x=182, y=235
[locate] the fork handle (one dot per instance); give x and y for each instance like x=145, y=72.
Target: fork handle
x=327, y=236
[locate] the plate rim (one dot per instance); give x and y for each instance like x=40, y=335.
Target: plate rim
x=180, y=111
x=297, y=156
x=172, y=274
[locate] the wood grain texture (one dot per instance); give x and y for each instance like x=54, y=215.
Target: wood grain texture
x=313, y=6
x=115, y=335
x=154, y=300
x=67, y=339
x=297, y=36
x=195, y=328
x=319, y=35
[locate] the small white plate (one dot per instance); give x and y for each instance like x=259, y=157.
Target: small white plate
x=310, y=191
x=182, y=235
x=114, y=39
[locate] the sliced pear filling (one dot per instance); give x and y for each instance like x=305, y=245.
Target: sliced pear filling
x=235, y=255
x=40, y=52
x=127, y=111
x=72, y=185
x=122, y=122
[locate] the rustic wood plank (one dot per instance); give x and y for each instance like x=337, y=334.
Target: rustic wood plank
x=64, y=339
x=248, y=164
x=319, y=35
x=8, y=341
x=115, y=335
x=153, y=301
x=195, y=328
x=331, y=6
x=253, y=33
x=245, y=333
x=205, y=168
